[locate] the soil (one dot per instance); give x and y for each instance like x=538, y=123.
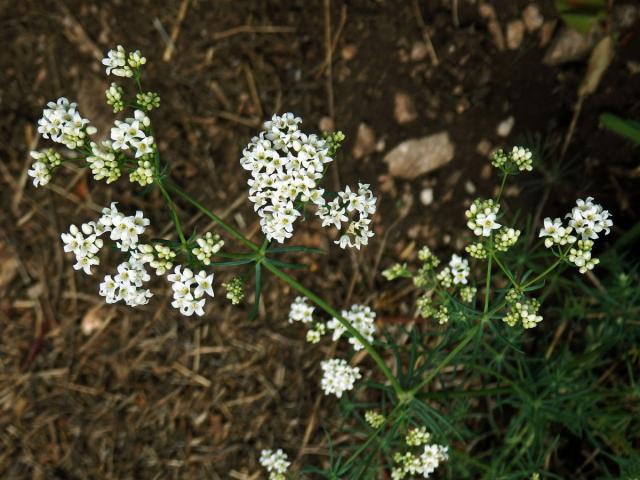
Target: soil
x=151, y=394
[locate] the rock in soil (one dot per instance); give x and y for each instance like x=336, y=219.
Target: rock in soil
x=504, y=127
x=418, y=156
x=532, y=17
x=365, y=142
x=515, y=34
x=404, y=109
x=568, y=46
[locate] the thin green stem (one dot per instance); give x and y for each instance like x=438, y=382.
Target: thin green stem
x=504, y=181
x=228, y=228
x=452, y=354
x=506, y=271
x=347, y=325
x=174, y=213
x=487, y=286
x=545, y=273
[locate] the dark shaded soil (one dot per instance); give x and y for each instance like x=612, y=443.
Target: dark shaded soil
x=155, y=395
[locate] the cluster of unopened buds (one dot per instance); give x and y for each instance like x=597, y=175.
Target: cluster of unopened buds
x=586, y=222
x=424, y=462
x=521, y=310
x=519, y=159
x=286, y=167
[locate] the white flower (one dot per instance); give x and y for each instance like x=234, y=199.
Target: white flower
x=362, y=318
x=285, y=165
x=482, y=215
x=338, y=377
x=205, y=284
x=40, y=173
x=431, y=458
x=116, y=63
x=301, y=311
x=589, y=219
x=103, y=163
x=132, y=133
x=276, y=463
x=459, y=269
x=62, y=123
x=84, y=243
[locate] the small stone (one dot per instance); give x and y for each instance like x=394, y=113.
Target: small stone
x=426, y=196
x=505, y=126
x=365, y=142
x=469, y=187
x=349, y=51
x=404, y=109
x=532, y=17
x=418, y=156
x=487, y=11
x=496, y=33
x=326, y=125
x=568, y=46
x=484, y=147
x=515, y=34
x=546, y=32
x=418, y=52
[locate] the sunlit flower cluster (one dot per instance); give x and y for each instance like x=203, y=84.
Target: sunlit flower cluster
x=127, y=284
x=133, y=133
x=208, y=246
x=482, y=216
x=518, y=159
x=459, y=269
x=84, y=243
x=189, y=290
x=62, y=123
x=362, y=318
x=424, y=462
x=121, y=65
x=522, y=310
x=45, y=162
x=124, y=230
x=352, y=207
x=286, y=166
x=586, y=222
x=275, y=462
x=338, y=377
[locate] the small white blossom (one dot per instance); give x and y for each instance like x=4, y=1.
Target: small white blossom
x=116, y=63
x=207, y=247
x=62, y=123
x=459, y=269
x=188, y=290
x=301, y=311
x=482, y=215
x=338, y=377
x=362, y=318
x=275, y=462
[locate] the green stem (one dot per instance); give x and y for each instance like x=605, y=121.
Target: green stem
x=335, y=314
x=487, y=286
x=506, y=271
x=504, y=181
x=229, y=229
x=545, y=273
x=174, y=213
x=452, y=354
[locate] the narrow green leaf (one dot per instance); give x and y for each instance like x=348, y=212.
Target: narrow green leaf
x=254, y=310
x=623, y=127
x=231, y=263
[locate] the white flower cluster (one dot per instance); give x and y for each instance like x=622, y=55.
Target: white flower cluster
x=45, y=162
x=506, y=238
x=115, y=97
x=481, y=217
x=424, y=463
x=84, y=243
x=127, y=284
x=518, y=159
x=338, y=377
x=103, y=162
x=207, y=247
x=276, y=463
x=587, y=220
x=362, y=318
x=301, y=311
x=360, y=206
x=133, y=133
x=187, y=299
x=124, y=230
x=286, y=165
x=62, y=123
x=119, y=65
x=459, y=269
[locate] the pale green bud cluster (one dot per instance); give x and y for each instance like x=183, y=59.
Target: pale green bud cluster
x=148, y=101
x=506, y=238
x=476, y=250
x=522, y=310
x=158, y=256
x=519, y=159
x=315, y=332
x=103, y=162
x=334, y=141
x=426, y=256
x=143, y=174
x=445, y=278
x=417, y=436
x=467, y=294
x=207, y=247
x=441, y=315
x=375, y=419
x=396, y=271
x=115, y=97
x=49, y=157
x=425, y=307
x=580, y=256
x=235, y=290
x=136, y=60
x=422, y=279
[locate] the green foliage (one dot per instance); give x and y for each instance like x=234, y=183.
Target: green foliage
x=623, y=127
x=581, y=14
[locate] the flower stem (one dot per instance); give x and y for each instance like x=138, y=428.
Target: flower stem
x=174, y=213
